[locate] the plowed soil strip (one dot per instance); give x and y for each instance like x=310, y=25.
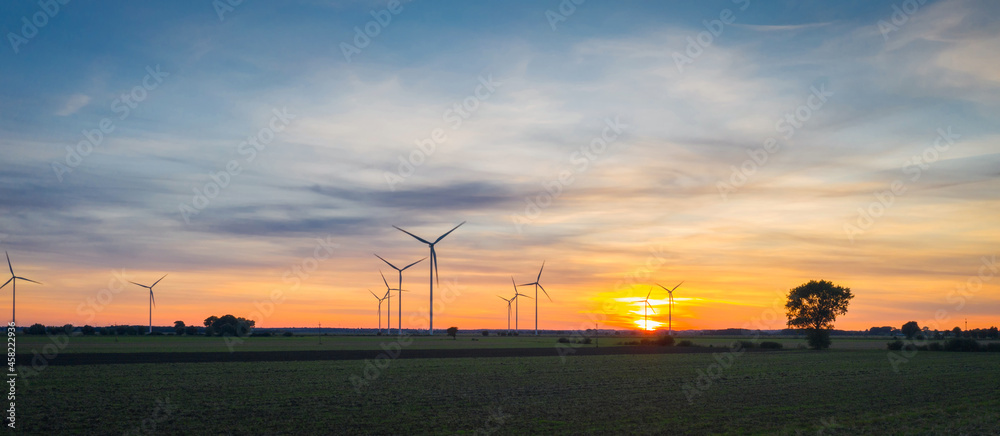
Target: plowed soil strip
x=278, y=356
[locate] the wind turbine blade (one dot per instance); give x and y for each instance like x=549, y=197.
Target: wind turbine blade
x=414, y=263
x=386, y=261
x=8, y=263
x=651, y=307
x=27, y=280
x=383, y=279
x=158, y=281
x=540, y=272
x=650, y=293
x=525, y=296
x=675, y=287
x=151, y=297
x=137, y=284
x=8, y=282
x=449, y=232
x=373, y=295
x=544, y=291
x=512, y=282
x=415, y=236
x=434, y=260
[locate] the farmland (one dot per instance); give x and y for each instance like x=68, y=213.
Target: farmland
x=841, y=391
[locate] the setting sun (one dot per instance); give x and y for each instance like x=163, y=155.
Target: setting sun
x=650, y=325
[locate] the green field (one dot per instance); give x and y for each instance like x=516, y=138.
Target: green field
x=139, y=344
x=786, y=392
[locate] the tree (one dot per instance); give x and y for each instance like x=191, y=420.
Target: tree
x=453, y=332
x=910, y=329
x=179, y=327
x=191, y=330
x=957, y=332
x=88, y=330
x=36, y=329
x=211, y=320
x=814, y=307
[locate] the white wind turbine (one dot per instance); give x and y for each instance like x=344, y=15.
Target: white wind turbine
x=13, y=295
x=388, y=298
x=645, y=314
x=380, y=299
x=515, y=298
x=434, y=268
x=152, y=301
x=399, y=301
x=538, y=285
x=508, y=311
x=670, y=306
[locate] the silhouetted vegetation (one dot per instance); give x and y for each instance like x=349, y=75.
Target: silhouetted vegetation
x=772, y=345
x=179, y=327
x=453, y=332
x=961, y=344
x=910, y=329
x=814, y=306
x=88, y=330
x=228, y=325
x=486, y=332
x=685, y=343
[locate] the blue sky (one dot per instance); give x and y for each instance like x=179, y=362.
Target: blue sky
x=667, y=178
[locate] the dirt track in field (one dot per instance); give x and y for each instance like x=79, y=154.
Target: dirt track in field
x=404, y=353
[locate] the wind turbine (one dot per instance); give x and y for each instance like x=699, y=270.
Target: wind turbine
x=388, y=296
x=508, y=311
x=645, y=314
x=516, y=294
x=380, y=299
x=434, y=267
x=13, y=295
x=399, y=301
x=152, y=301
x=670, y=305
x=538, y=285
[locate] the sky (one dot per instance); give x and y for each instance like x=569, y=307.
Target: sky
x=260, y=152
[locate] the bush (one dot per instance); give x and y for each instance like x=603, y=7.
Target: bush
x=155, y=334
x=260, y=334
x=191, y=330
x=287, y=334
x=685, y=343
x=563, y=340
x=486, y=332
x=88, y=330
x=993, y=347
x=935, y=346
x=772, y=345
x=961, y=344
x=895, y=345
x=664, y=341
x=746, y=344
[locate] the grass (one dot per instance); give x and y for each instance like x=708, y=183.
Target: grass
x=788, y=392
x=139, y=344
